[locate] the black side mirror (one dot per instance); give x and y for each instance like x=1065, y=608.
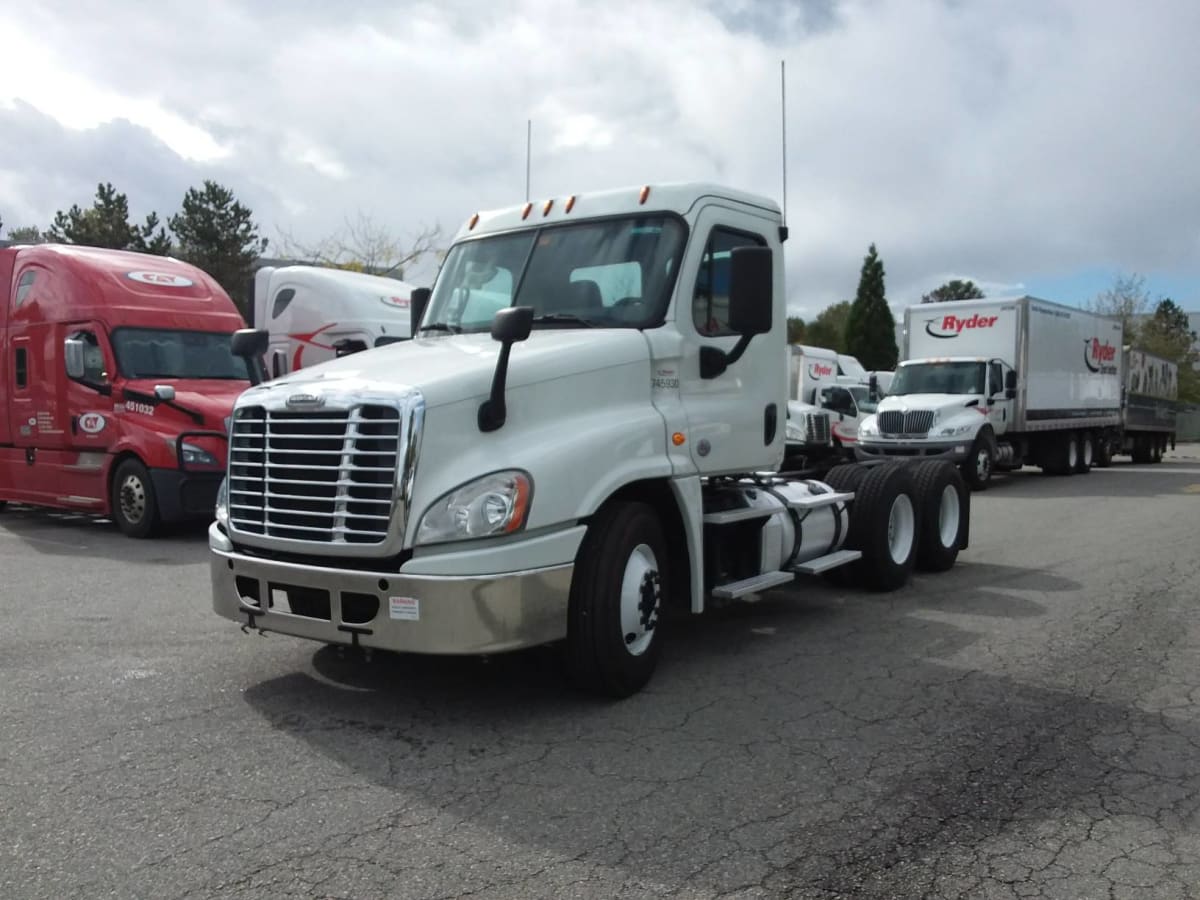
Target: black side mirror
x=873, y=388
x=1010, y=384
x=250, y=344
x=509, y=326
x=751, y=305
x=416, y=307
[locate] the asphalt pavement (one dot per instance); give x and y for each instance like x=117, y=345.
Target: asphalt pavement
x=1026, y=725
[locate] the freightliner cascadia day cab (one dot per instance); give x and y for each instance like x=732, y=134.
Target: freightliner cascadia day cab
x=315, y=313
x=118, y=379
x=586, y=429
x=998, y=384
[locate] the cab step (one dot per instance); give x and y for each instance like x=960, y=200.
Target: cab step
x=827, y=562
x=766, y=581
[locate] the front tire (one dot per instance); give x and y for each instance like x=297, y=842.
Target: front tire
x=134, y=504
x=615, y=614
x=977, y=470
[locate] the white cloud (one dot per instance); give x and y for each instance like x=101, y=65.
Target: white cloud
x=1008, y=140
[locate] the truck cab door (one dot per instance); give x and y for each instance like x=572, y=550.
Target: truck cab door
x=999, y=406
x=88, y=407
x=736, y=420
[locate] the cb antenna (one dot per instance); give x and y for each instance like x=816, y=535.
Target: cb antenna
x=528, y=153
x=783, y=229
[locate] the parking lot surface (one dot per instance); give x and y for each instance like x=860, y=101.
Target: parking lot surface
x=1026, y=725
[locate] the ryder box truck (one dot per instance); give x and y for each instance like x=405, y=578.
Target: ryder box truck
x=998, y=384
x=587, y=428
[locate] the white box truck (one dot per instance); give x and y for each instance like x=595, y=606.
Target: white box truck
x=316, y=313
x=998, y=384
x=586, y=429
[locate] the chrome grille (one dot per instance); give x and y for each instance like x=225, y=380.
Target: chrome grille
x=323, y=475
x=912, y=422
x=817, y=427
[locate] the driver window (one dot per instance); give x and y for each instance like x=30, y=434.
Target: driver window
x=996, y=378
x=94, y=369
x=710, y=302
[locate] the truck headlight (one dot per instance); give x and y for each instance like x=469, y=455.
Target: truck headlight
x=222, y=510
x=197, y=456
x=491, y=505
x=795, y=432
x=953, y=430
x=869, y=427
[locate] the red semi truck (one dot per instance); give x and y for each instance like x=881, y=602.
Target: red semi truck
x=117, y=382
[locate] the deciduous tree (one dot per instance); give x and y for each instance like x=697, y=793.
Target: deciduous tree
x=954, y=289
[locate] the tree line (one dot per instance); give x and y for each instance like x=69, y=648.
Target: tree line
x=217, y=233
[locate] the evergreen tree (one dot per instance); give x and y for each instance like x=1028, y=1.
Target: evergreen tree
x=870, y=327
x=107, y=225
x=217, y=234
x=953, y=290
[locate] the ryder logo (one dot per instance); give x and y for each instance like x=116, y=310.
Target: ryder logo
x=952, y=326
x=1098, y=357
x=819, y=370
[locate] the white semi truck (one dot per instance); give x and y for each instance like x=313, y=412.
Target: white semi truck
x=998, y=384
x=586, y=430
x=317, y=313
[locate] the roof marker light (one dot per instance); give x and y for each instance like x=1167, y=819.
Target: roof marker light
x=644, y=194
x=570, y=203
x=474, y=221
x=546, y=207
x=525, y=211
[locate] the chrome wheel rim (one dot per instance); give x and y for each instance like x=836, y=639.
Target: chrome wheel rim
x=949, y=514
x=133, y=499
x=983, y=464
x=901, y=529
x=640, y=599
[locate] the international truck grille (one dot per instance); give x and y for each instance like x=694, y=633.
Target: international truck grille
x=817, y=426
x=913, y=422
x=323, y=475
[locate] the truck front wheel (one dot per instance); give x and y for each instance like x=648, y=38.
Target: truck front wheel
x=614, y=620
x=977, y=470
x=134, y=505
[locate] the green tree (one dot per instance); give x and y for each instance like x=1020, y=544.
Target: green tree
x=828, y=329
x=795, y=330
x=870, y=327
x=954, y=289
x=29, y=234
x=1169, y=334
x=106, y=224
x=217, y=234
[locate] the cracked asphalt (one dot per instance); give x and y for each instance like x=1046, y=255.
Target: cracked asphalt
x=1026, y=725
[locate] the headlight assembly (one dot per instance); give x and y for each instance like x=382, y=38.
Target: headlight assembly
x=492, y=505
x=222, y=510
x=197, y=456
x=869, y=427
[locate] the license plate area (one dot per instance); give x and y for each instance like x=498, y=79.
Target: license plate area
x=299, y=600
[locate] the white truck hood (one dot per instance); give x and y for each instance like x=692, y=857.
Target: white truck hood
x=447, y=369
x=938, y=402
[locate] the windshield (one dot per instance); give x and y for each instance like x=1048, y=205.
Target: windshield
x=939, y=378
x=862, y=399
x=616, y=273
x=162, y=353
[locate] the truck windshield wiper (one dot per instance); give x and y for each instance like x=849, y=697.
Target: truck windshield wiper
x=563, y=319
x=440, y=326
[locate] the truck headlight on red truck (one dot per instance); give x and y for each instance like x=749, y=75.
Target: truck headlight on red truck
x=197, y=456
x=491, y=505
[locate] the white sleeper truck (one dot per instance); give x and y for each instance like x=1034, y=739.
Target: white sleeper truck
x=586, y=430
x=317, y=313
x=998, y=384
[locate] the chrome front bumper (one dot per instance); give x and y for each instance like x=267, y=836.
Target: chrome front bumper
x=397, y=612
x=883, y=448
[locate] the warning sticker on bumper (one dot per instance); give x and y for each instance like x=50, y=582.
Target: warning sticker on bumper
x=404, y=608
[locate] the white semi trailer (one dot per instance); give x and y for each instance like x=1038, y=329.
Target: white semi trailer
x=586, y=429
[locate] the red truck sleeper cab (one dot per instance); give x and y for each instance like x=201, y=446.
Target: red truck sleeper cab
x=117, y=380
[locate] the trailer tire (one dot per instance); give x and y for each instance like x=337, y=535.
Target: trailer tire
x=944, y=501
x=884, y=523
x=1087, y=455
x=1064, y=455
x=1141, y=451
x=1103, y=452
x=1156, y=451
x=846, y=477
x=614, y=618
x=134, y=504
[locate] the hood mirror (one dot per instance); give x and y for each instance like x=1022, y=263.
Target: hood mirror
x=164, y=392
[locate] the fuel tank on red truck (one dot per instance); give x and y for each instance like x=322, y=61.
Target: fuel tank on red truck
x=117, y=383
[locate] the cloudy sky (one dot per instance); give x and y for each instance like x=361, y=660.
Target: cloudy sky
x=1034, y=145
